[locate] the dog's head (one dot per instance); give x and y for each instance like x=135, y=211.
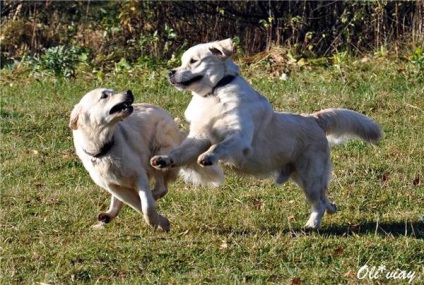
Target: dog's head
x=100, y=108
x=203, y=66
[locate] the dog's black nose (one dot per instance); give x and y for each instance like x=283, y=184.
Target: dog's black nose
x=129, y=96
x=171, y=73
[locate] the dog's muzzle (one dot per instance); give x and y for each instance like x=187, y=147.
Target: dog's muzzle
x=171, y=76
x=173, y=81
x=125, y=106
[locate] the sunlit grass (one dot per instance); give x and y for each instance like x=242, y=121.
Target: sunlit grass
x=248, y=230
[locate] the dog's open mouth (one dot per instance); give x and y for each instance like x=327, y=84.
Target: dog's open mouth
x=191, y=81
x=124, y=107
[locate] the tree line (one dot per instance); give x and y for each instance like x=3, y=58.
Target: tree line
x=134, y=30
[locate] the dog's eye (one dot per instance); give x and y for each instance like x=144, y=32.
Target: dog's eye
x=104, y=95
x=193, y=61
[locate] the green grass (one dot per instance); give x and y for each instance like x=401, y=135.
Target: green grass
x=248, y=230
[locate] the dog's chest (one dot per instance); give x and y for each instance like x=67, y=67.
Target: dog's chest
x=201, y=109
x=206, y=114
x=105, y=172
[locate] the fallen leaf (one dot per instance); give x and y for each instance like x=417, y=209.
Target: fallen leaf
x=257, y=203
x=122, y=274
x=296, y=281
x=384, y=177
x=416, y=181
x=339, y=250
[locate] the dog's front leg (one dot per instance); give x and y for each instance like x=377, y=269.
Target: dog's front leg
x=233, y=149
x=185, y=154
x=148, y=207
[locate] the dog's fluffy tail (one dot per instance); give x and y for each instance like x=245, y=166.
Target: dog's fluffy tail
x=342, y=124
x=211, y=176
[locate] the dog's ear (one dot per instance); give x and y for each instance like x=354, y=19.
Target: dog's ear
x=222, y=49
x=73, y=122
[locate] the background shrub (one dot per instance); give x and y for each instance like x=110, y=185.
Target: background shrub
x=136, y=30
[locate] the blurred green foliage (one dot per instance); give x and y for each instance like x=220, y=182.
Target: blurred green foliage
x=107, y=34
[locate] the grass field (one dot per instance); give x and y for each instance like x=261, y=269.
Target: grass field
x=246, y=231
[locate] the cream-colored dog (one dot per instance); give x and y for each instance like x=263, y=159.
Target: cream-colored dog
x=233, y=123
x=115, y=148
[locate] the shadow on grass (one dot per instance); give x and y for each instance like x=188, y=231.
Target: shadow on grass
x=413, y=229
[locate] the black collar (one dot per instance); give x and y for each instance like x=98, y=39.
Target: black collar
x=224, y=81
x=103, y=150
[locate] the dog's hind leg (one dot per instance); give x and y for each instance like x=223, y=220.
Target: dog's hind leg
x=116, y=204
x=114, y=208
x=127, y=195
x=284, y=174
x=330, y=207
x=161, y=187
x=312, y=176
x=312, y=191
x=141, y=200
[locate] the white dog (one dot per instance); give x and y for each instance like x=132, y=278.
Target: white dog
x=233, y=123
x=116, y=152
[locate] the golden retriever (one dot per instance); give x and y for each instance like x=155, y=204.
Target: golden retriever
x=115, y=140
x=231, y=122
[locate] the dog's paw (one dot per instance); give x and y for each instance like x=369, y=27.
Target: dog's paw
x=164, y=224
x=161, y=162
x=311, y=226
x=331, y=208
x=313, y=223
x=206, y=159
x=104, y=218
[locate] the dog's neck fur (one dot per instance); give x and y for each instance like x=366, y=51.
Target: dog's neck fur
x=103, y=150
x=105, y=142
x=224, y=81
x=231, y=70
